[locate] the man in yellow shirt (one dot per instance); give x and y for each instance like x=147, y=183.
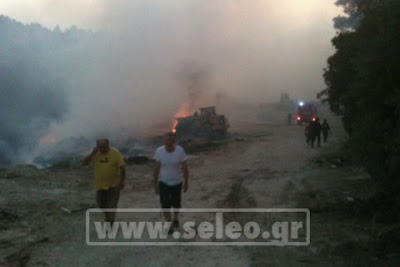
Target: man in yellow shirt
x=109, y=175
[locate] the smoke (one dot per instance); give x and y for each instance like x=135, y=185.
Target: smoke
x=195, y=81
x=151, y=57
x=250, y=51
x=31, y=98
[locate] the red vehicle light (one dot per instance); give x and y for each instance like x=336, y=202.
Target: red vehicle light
x=298, y=118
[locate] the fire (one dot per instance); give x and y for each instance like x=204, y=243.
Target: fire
x=174, y=126
x=48, y=139
x=182, y=112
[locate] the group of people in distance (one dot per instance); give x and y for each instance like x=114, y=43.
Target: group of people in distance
x=170, y=177
x=313, y=132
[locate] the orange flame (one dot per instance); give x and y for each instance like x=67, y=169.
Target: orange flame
x=174, y=126
x=182, y=112
x=48, y=139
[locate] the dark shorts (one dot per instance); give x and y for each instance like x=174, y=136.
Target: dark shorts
x=170, y=195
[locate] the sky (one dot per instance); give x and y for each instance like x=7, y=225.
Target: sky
x=158, y=55
x=89, y=13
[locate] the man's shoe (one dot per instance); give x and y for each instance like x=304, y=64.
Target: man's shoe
x=175, y=224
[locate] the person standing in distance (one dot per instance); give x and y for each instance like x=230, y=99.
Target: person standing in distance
x=109, y=176
x=316, y=132
x=325, y=130
x=171, y=165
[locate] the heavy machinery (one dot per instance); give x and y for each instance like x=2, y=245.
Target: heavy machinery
x=205, y=123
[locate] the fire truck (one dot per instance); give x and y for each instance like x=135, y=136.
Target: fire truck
x=306, y=112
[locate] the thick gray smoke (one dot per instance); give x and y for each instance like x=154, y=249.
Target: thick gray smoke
x=30, y=96
x=130, y=78
x=196, y=82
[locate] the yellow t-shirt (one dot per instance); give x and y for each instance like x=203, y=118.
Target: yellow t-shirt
x=107, y=171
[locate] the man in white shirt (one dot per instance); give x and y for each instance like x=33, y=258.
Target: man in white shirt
x=167, y=179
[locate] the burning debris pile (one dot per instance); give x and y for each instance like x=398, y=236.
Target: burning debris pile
x=67, y=151
x=204, y=124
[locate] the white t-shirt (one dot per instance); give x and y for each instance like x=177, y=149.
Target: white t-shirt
x=170, y=171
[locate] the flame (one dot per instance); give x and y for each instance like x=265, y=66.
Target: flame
x=183, y=111
x=48, y=139
x=174, y=126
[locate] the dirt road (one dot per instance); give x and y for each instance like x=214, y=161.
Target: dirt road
x=267, y=166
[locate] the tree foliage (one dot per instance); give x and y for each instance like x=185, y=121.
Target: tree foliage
x=363, y=85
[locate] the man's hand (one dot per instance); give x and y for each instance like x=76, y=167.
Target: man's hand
x=121, y=185
x=123, y=175
x=156, y=173
x=185, y=186
x=89, y=157
x=156, y=187
x=185, y=170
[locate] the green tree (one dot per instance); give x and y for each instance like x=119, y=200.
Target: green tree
x=363, y=86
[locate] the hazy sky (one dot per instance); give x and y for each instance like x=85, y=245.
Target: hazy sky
x=50, y=13
x=288, y=41
x=255, y=49
x=89, y=13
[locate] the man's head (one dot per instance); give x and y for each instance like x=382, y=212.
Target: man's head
x=169, y=139
x=103, y=144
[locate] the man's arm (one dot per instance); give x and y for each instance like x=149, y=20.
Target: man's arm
x=123, y=175
x=89, y=157
x=155, y=177
x=185, y=170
